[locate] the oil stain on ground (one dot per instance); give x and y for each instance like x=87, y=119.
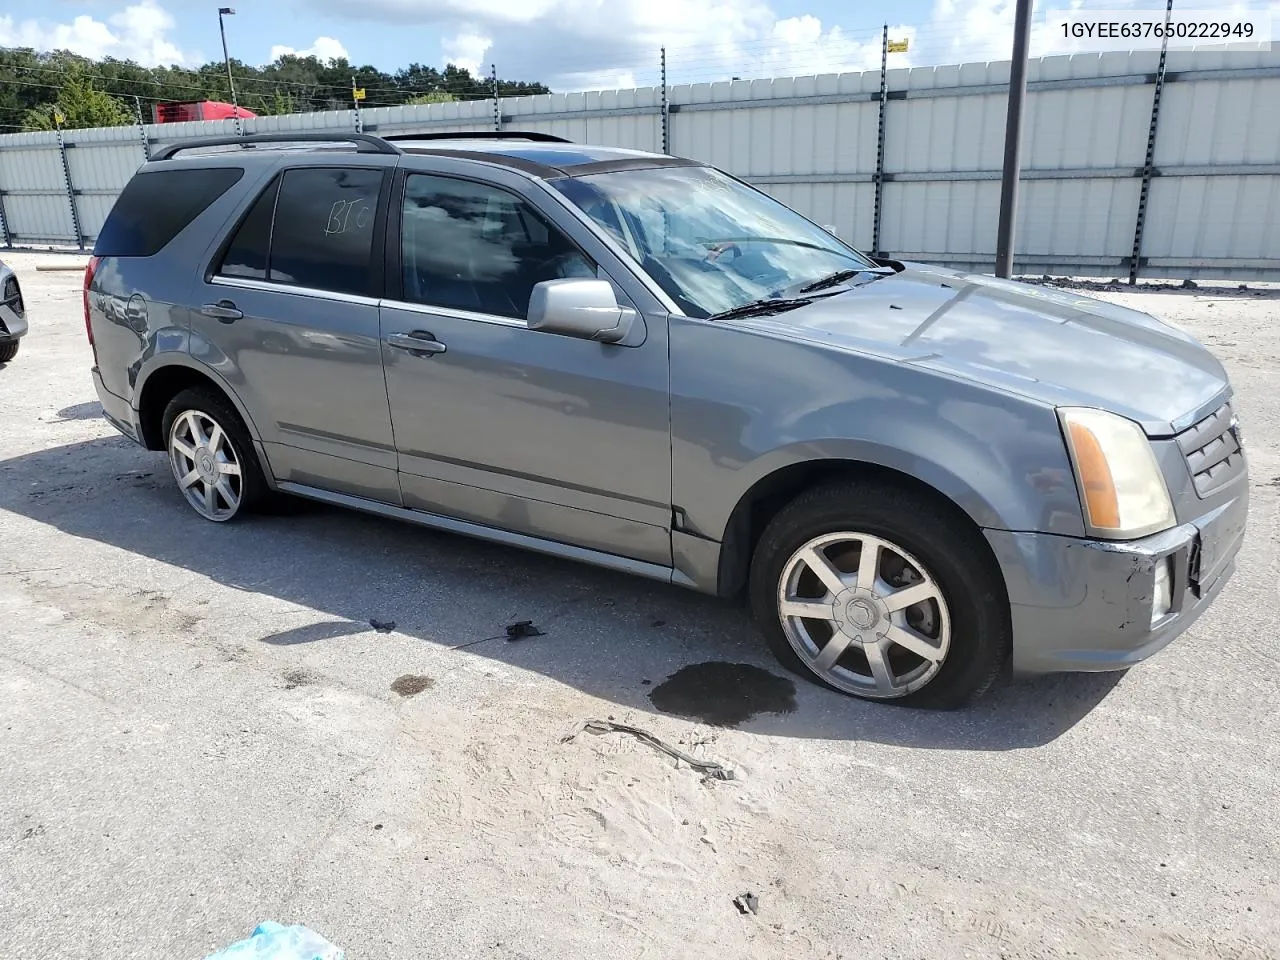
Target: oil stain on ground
x=723, y=694
x=410, y=685
x=296, y=678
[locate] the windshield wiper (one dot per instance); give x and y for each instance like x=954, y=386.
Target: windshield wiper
x=762, y=308
x=839, y=277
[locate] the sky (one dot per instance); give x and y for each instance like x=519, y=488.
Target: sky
x=567, y=44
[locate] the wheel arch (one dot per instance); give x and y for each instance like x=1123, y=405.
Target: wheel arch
x=164, y=381
x=772, y=491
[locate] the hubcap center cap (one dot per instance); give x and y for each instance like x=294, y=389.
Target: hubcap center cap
x=206, y=465
x=860, y=614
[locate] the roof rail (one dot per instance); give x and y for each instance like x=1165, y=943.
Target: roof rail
x=482, y=135
x=365, y=142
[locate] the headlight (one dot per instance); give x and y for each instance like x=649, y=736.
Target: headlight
x=1121, y=486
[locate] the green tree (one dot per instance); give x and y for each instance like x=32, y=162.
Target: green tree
x=80, y=105
x=438, y=96
x=31, y=83
x=279, y=102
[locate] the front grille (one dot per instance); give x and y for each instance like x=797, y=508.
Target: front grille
x=1212, y=449
x=13, y=296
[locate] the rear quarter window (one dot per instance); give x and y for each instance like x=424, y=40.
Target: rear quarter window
x=156, y=206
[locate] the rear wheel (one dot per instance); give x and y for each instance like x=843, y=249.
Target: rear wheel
x=9, y=350
x=881, y=594
x=212, y=456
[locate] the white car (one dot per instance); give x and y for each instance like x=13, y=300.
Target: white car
x=13, y=314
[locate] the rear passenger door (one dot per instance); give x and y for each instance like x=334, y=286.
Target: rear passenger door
x=288, y=313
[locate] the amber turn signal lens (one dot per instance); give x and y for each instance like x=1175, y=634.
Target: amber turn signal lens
x=1095, y=477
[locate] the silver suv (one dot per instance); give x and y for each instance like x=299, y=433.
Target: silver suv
x=640, y=361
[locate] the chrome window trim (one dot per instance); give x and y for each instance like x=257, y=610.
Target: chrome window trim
x=246, y=283
x=495, y=319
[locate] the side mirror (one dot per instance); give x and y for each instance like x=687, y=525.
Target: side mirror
x=578, y=307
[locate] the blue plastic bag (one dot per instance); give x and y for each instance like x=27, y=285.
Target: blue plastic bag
x=274, y=941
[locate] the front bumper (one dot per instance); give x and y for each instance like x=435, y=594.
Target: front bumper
x=1087, y=604
x=12, y=326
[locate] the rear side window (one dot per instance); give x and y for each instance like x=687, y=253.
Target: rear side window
x=247, y=254
x=312, y=227
x=155, y=207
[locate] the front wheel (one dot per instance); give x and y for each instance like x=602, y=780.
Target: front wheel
x=9, y=350
x=881, y=594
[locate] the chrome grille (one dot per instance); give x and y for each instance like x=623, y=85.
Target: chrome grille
x=1212, y=449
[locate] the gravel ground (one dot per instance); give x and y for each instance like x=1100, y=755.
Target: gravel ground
x=200, y=730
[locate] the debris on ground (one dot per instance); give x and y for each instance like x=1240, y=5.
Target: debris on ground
x=521, y=629
x=274, y=941
x=383, y=626
x=710, y=770
x=410, y=685
x=77, y=267
x=747, y=903
x=512, y=631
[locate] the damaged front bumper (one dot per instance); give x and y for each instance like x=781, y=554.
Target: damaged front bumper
x=1103, y=605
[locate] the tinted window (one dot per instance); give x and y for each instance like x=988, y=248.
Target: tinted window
x=247, y=254
x=323, y=234
x=472, y=247
x=155, y=207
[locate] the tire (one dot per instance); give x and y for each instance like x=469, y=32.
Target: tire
x=957, y=634
x=205, y=408
x=9, y=350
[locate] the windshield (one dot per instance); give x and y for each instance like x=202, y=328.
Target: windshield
x=710, y=242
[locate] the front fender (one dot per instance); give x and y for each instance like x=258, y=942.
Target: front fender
x=745, y=407
x=1004, y=470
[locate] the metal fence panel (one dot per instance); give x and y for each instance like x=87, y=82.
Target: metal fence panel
x=1213, y=207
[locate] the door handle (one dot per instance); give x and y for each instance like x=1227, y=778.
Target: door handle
x=224, y=310
x=419, y=343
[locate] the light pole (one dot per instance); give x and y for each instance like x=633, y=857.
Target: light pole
x=235, y=104
x=1013, y=140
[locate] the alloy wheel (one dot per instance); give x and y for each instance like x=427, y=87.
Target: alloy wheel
x=206, y=465
x=864, y=615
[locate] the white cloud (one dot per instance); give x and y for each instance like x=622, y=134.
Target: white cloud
x=968, y=31
x=593, y=44
x=324, y=48
x=467, y=50
x=138, y=32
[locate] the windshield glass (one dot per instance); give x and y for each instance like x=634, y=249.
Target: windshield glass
x=710, y=242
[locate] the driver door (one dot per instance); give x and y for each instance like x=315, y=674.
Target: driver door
x=542, y=434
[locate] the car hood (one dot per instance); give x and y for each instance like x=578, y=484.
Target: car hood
x=1050, y=345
